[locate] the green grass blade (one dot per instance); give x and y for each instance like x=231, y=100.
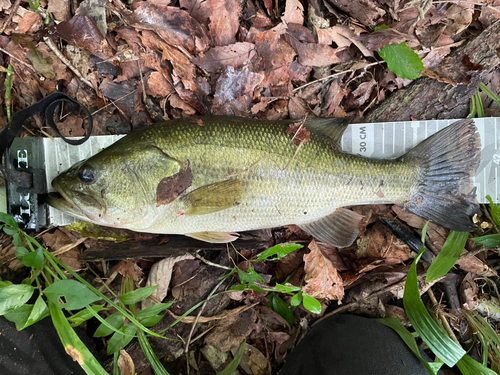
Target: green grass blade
x=235, y=362
x=407, y=337
x=150, y=355
x=72, y=343
x=469, y=366
x=430, y=332
x=490, y=93
x=448, y=256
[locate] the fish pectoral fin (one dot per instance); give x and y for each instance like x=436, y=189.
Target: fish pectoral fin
x=338, y=229
x=214, y=197
x=214, y=237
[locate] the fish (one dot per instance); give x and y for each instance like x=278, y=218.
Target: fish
x=219, y=176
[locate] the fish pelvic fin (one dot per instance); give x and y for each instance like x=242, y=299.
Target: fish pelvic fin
x=447, y=162
x=213, y=237
x=338, y=229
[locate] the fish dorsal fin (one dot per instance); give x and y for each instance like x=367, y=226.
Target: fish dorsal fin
x=332, y=128
x=338, y=229
x=214, y=197
x=214, y=237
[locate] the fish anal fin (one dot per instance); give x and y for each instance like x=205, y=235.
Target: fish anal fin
x=213, y=237
x=214, y=197
x=338, y=229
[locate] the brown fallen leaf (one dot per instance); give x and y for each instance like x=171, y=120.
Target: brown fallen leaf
x=342, y=36
x=234, y=91
x=161, y=274
x=367, y=12
x=174, y=25
x=313, y=54
x=299, y=131
x=230, y=332
x=294, y=12
x=30, y=23
x=235, y=55
x=82, y=32
x=224, y=21
x=60, y=9
x=380, y=38
x=157, y=85
x=322, y=279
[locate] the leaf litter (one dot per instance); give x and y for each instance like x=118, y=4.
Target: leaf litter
x=271, y=60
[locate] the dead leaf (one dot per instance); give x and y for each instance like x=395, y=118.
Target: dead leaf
x=174, y=25
x=125, y=363
x=60, y=9
x=342, y=36
x=322, y=279
x=299, y=131
x=380, y=38
x=30, y=23
x=82, y=32
x=128, y=268
x=96, y=10
x=294, y=12
x=224, y=22
x=236, y=55
x=312, y=54
x=234, y=91
x=161, y=274
x=230, y=332
x=157, y=85
x=367, y=12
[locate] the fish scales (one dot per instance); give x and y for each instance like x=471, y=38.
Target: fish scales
x=280, y=188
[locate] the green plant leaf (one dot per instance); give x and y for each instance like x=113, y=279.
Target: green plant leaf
x=13, y=296
x=296, y=299
x=9, y=220
x=280, y=251
x=84, y=315
x=280, y=306
x=495, y=211
x=286, y=288
x=402, y=60
x=235, y=362
x=430, y=332
x=153, y=310
x=151, y=321
x=156, y=365
x=311, y=304
x=115, y=320
x=34, y=259
x=381, y=27
x=490, y=240
x=21, y=252
x=448, y=256
x=119, y=341
x=249, y=278
x=469, y=366
x=10, y=231
x=76, y=295
x=137, y=295
x=27, y=315
x=396, y=325
x=73, y=344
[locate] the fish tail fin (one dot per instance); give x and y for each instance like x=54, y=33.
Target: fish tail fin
x=446, y=162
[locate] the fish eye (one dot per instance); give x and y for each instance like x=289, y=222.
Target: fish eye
x=86, y=174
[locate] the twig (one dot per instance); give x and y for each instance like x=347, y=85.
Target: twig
x=441, y=316
x=17, y=59
x=114, y=101
x=142, y=82
x=211, y=263
x=65, y=61
x=186, y=348
x=13, y=11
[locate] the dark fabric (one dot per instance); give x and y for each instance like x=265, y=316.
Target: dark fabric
x=352, y=345
x=36, y=350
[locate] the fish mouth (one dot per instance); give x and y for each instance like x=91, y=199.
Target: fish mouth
x=77, y=204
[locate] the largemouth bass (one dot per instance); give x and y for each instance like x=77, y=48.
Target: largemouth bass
x=235, y=174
